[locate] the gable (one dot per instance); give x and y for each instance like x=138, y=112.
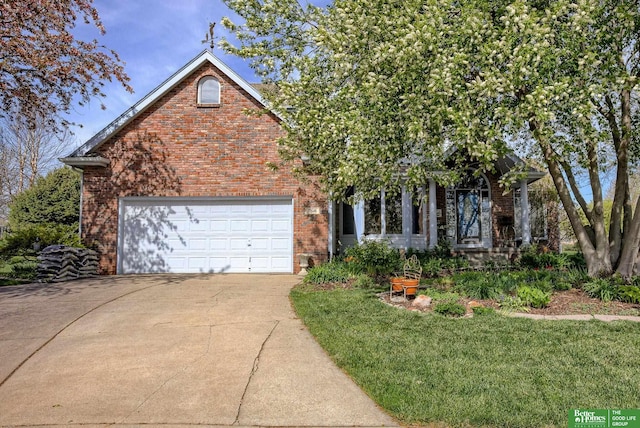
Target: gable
x=83, y=155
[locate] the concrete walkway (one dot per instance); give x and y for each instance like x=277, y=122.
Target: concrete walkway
x=216, y=350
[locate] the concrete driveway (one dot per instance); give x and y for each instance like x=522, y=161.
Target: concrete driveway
x=168, y=350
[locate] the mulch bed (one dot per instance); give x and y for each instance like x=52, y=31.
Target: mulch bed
x=571, y=302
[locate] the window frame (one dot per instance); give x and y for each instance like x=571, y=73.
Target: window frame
x=199, y=95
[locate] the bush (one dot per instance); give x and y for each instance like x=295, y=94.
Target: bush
x=432, y=268
x=450, y=309
x=629, y=293
x=21, y=241
x=538, y=257
x=534, y=297
x=373, y=257
x=512, y=303
x=601, y=288
x=54, y=199
x=327, y=273
x=478, y=285
x=22, y=268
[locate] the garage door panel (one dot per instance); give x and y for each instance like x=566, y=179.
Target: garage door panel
x=198, y=264
x=157, y=235
x=280, y=225
x=197, y=225
x=239, y=226
x=238, y=244
x=280, y=263
x=259, y=226
x=177, y=263
x=260, y=244
x=198, y=244
x=219, y=226
x=280, y=244
x=217, y=244
x=175, y=244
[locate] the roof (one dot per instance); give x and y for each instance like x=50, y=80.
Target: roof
x=148, y=100
x=506, y=164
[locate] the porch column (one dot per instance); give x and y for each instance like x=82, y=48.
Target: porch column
x=524, y=209
x=358, y=219
x=332, y=228
x=433, y=218
x=407, y=217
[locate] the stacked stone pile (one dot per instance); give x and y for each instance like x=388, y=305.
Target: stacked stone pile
x=58, y=263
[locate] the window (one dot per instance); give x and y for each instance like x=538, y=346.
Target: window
x=537, y=215
x=348, y=222
x=208, y=91
x=387, y=214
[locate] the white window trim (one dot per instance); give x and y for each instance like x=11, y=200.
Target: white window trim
x=407, y=239
x=201, y=82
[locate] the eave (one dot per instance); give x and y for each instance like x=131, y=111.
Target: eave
x=84, y=161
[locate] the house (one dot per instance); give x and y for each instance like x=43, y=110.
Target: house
x=180, y=183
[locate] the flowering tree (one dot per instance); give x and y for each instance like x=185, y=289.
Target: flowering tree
x=43, y=66
x=369, y=89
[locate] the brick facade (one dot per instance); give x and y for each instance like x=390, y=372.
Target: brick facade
x=176, y=148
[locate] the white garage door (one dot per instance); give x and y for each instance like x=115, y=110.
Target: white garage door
x=210, y=236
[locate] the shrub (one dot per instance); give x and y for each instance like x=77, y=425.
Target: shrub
x=601, y=288
x=561, y=285
x=450, y=309
x=576, y=276
x=327, y=273
x=542, y=285
x=432, y=267
x=534, y=297
x=21, y=241
x=22, y=268
x=478, y=285
x=54, y=199
x=537, y=257
x=364, y=281
x=629, y=293
x=373, y=257
x=512, y=303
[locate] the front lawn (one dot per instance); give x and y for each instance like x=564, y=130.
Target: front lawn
x=489, y=370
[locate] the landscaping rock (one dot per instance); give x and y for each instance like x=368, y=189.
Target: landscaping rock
x=421, y=302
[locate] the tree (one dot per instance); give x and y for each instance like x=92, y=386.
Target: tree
x=369, y=88
x=27, y=151
x=43, y=67
x=53, y=200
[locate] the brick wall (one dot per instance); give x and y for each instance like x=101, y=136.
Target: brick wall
x=176, y=148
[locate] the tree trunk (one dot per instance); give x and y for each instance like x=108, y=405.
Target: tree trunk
x=631, y=241
x=630, y=246
x=596, y=254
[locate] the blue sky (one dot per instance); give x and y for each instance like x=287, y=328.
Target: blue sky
x=154, y=39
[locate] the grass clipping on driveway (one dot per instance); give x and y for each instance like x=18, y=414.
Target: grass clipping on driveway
x=489, y=370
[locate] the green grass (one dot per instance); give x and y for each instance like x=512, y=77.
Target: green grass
x=487, y=371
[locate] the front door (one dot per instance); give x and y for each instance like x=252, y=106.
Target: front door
x=468, y=213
